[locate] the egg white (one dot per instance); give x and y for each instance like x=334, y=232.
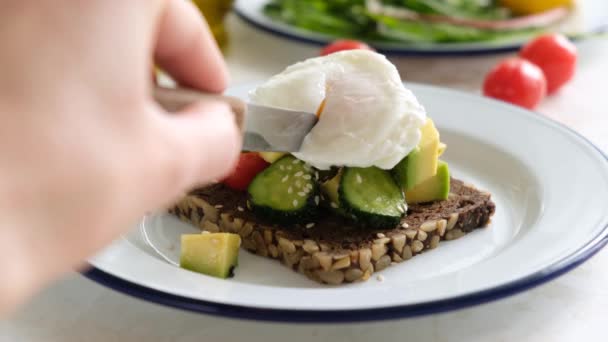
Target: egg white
x=368, y=119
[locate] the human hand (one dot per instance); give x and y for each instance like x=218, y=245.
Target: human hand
x=84, y=151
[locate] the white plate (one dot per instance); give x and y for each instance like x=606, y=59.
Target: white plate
x=590, y=16
x=550, y=186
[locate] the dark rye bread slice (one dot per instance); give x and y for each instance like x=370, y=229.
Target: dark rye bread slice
x=332, y=250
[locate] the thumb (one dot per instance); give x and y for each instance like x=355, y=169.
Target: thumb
x=200, y=144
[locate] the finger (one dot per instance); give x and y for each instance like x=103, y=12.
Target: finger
x=186, y=49
x=199, y=145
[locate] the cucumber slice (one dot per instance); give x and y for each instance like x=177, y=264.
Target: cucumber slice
x=371, y=197
x=285, y=192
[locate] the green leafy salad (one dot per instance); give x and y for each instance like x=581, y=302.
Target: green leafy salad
x=414, y=21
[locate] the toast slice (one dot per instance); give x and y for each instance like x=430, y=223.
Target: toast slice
x=332, y=250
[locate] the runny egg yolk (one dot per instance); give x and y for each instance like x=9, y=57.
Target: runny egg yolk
x=321, y=107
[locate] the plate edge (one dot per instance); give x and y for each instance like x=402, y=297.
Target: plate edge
x=550, y=272
x=348, y=316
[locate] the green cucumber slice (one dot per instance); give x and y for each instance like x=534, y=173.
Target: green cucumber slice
x=285, y=192
x=371, y=197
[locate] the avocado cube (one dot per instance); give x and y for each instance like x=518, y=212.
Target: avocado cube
x=433, y=189
x=214, y=254
x=271, y=157
x=421, y=163
x=330, y=188
x=442, y=148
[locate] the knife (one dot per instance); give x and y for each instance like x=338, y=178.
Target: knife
x=264, y=128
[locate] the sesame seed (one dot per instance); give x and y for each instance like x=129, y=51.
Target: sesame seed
x=334, y=205
x=378, y=199
x=307, y=177
x=309, y=186
x=298, y=184
x=317, y=200
x=289, y=190
x=295, y=161
x=405, y=225
x=282, y=167
x=380, y=235
x=240, y=208
x=310, y=225
x=289, y=167
x=380, y=278
x=359, y=179
x=295, y=203
x=219, y=206
x=301, y=194
x=285, y=179
x=205, y=232
x=249, y=205
x=316, y=174
x=299, y=173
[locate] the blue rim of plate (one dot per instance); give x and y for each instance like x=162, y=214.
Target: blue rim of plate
x=550, y=272
x=453, y=50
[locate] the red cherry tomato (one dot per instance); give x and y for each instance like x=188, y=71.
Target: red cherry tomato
x=517, y=81
x=344, y=44
x=555, y=55
x=249, y=165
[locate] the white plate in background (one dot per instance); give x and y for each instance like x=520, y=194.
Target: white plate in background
x=590, y=16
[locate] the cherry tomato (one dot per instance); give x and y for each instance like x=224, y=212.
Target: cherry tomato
x=517, y=81
x=555, y=55
x=249, y=165
x=344, y=44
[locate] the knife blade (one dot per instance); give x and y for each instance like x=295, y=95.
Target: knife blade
x=264, y=128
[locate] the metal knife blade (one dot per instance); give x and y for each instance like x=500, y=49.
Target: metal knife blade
x=276, y=129
x=264, y=128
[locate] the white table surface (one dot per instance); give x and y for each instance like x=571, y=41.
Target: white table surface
x=572, y=307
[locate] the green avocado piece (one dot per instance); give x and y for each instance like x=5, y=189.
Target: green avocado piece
x=271, y=157
x=433, y=189
x=214, y=254
x=421, y=163
x=330, y=188
x=330, y=191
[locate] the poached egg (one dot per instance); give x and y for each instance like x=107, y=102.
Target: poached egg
x=366, y=115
